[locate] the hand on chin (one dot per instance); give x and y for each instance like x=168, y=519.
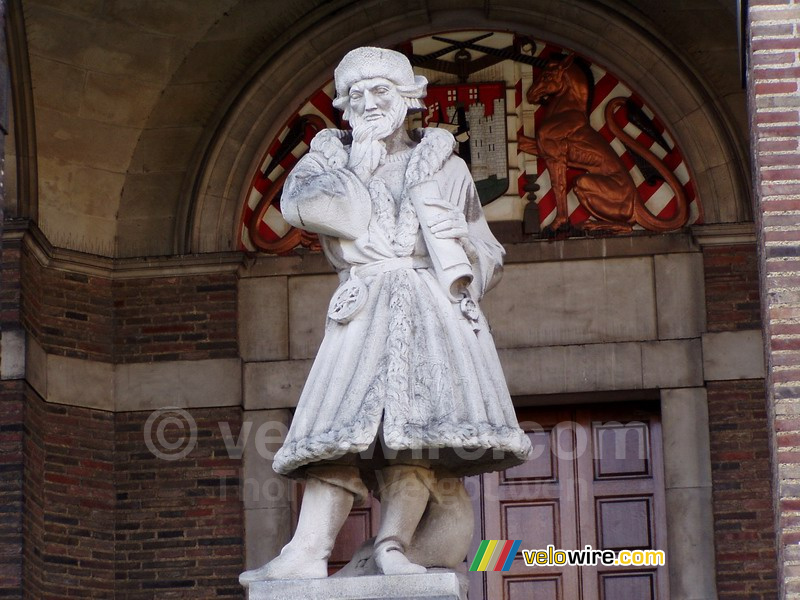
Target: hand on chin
x=371, y=130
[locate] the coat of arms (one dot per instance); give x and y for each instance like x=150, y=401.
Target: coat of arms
x=475, y=113
x=479, y=90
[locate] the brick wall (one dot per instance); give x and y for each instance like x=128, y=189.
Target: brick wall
x=69, y=501
x=179, y=523
x=136, y=320
x=175, y=318
x=772, y=88
x=744, y=531
x=69, y=314
x=11, y=415
x=106, y=518
x=10, y=284
x=731, y=282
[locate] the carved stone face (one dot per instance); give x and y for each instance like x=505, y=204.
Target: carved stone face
x=377, y=105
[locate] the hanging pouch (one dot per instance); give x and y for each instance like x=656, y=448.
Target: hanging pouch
x=348, y=299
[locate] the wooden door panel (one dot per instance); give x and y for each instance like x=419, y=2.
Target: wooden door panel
x=533, y=588
x=542, y=465
x=356, y=530
x=596, y=477
x=621, y=450
x=538, y=520
x=476, y=489
x=627, y=586
x=624, y=523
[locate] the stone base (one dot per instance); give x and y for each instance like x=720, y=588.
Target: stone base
x=443, y=585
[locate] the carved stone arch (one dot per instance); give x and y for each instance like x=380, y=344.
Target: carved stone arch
x=23, y=201
x=616, y=39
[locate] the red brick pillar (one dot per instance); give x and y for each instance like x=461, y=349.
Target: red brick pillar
x=773, y=75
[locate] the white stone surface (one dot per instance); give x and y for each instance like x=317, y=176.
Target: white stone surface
x=575, y=302
x=263, y=433
x=12, y=354
x=266, y=530
x=690, y=556
x=405, y=342
x=687, y=453
x=308, y=305
x=274, y=384
x=77, y=382
x=134, y=386
x=263, y=318
x=680, y=295
x=180, y=383
x=429, y=586
x=672, y=363
x=733, y=355
x=687, y=474
x=36, y=366
x=558, y=369
x=545, y=370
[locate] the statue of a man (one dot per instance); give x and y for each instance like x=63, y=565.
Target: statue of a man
x=406, y=394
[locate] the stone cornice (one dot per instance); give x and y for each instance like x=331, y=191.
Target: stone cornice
x=724, y=234
x=74, y=261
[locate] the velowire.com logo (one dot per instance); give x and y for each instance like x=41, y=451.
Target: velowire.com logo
x=495, y=555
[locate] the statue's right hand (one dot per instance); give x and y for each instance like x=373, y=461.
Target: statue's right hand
x=365, y=156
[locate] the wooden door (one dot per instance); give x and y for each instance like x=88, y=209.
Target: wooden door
x=623, y=507
x=536, y=499
x=595, y=478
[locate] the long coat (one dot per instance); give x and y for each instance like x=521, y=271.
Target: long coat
x=411, y=359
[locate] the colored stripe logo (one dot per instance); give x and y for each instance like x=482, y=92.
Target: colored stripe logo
x=495, y=555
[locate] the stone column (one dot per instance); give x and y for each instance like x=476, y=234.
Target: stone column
x=773, y=74
x=687, y=482
x=266, y=495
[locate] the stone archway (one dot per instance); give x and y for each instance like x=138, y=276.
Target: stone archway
x=210, y=200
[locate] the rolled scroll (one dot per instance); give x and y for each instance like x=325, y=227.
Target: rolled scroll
x=450, y=262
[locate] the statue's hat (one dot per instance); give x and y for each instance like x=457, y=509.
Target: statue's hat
x=368, y=63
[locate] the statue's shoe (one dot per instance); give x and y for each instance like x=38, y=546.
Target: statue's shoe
x=391, y=561
x=287, y=565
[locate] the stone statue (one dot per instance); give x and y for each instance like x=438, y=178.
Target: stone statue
x=406, y=394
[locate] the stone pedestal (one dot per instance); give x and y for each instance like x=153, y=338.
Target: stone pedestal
x=430, y=586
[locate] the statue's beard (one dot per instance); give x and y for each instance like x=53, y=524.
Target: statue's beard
x=379, y=129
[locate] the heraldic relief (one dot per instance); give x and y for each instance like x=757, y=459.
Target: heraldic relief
x=550, y=138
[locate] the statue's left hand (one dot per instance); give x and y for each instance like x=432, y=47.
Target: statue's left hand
x=451, y=224
x=328, y=143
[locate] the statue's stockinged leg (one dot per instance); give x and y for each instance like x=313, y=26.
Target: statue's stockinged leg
x=404, y=492
x=328, y=497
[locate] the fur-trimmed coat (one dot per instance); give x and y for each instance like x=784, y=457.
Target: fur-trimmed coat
x=410, y=360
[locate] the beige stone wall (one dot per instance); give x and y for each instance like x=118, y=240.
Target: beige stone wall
x=612, y=318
